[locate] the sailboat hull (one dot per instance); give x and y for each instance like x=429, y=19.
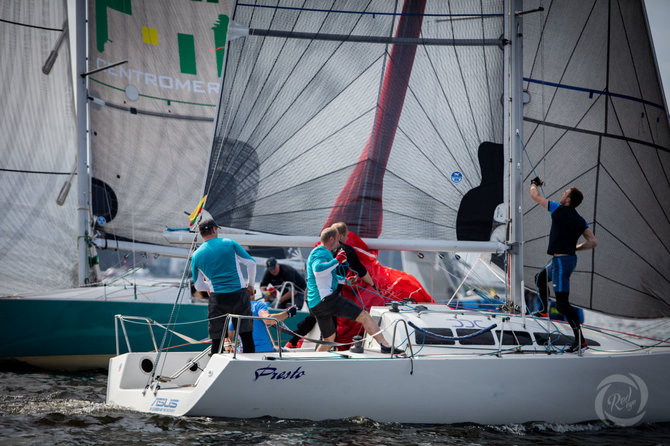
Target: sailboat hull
x=461, y=366
x=75, y=329
x=73, y=334
x=436, y=389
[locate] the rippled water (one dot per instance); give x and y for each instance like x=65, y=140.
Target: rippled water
x=49, y=408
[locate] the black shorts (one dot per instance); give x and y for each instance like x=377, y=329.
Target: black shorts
x=220, y=304
x=334, y=305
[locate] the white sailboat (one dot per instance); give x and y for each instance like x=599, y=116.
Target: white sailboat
x=432, y=93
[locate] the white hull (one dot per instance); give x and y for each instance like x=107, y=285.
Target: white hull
x=483, y=390
x=444, y=387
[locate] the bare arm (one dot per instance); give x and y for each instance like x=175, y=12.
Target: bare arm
x=367, y=279
x=537, y=197
x=279, y=316
x=591, y=241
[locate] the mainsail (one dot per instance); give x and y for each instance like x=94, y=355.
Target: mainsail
x=151, y=117
x=38, y=238
x=302, y=115
x=597, y=120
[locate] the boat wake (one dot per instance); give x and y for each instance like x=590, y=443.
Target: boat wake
x=50, y=405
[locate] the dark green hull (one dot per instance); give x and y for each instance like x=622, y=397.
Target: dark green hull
x=79, y=334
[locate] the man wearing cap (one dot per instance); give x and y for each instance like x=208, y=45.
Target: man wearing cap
x=216, y=268
x=275, y=275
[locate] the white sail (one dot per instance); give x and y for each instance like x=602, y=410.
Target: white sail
x=151, y=117
x=597, y=120
x=38, y=238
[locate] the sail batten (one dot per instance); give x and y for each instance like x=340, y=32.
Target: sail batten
x=596, y=133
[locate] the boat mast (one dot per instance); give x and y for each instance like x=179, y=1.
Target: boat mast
x=515, y=129
x=82, y=148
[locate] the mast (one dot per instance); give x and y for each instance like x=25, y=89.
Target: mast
x=82, y=150
x=515, y=35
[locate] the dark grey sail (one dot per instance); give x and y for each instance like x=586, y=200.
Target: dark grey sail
x=597, y=120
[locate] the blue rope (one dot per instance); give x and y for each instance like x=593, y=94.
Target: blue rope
x=342, y=271
x=592, y=91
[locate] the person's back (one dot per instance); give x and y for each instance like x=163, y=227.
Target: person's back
x=566, y=228
x=217, y=260
x=321, y=281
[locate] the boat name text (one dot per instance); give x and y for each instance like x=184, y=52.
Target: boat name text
x=272, y=373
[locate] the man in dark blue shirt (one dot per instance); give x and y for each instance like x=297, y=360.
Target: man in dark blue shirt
x=567, y=226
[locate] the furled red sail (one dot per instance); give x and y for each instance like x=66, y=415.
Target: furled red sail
x=392, y=285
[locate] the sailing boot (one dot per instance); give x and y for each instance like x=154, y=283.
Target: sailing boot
x=577, y=348
x=387, y=350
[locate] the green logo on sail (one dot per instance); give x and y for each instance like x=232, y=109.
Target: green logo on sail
x=186, y=43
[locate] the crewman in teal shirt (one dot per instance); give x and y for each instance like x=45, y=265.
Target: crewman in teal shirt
x=216, y=268
x=323, y=300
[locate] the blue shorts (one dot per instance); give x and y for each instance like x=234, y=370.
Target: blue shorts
x=560, y=270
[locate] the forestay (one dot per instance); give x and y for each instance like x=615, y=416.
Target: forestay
x=597, y=120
